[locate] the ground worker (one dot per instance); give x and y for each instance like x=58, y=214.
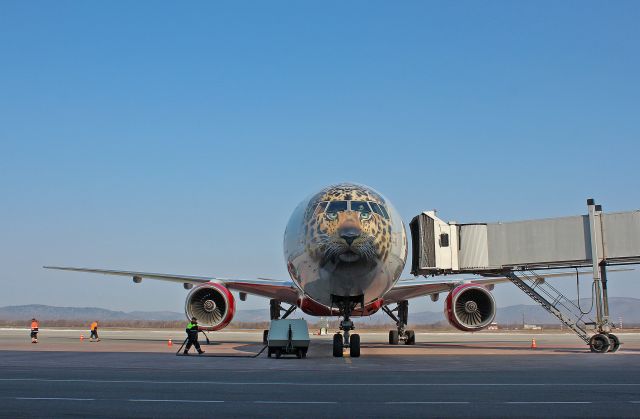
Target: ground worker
x=94, y=332
x=192, y=336
x=34, y=330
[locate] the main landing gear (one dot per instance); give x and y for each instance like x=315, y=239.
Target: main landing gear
x=400, y=334
x=275, y=308
x=346, y=305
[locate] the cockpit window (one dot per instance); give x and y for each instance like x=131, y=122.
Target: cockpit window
x=363, y=208
x=360, y=206
x=320, y=208
x=336, y=206
x=384, y=211
x=379, y=209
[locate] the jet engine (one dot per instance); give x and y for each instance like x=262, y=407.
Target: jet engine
x=470, y=307
x=212, y=304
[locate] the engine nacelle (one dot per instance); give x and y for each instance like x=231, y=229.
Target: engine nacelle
x=470, y=307
x=212, y=304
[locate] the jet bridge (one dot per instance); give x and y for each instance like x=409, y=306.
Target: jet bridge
x=518, y=249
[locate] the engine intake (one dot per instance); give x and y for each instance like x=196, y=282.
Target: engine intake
x=470, y=307
x=212, y=304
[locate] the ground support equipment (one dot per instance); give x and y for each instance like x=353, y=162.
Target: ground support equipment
x=288, y=337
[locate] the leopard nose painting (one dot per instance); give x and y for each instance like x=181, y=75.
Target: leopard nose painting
x=349, y=231
x=350, y=234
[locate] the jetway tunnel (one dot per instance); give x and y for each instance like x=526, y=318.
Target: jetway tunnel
x=518, y=249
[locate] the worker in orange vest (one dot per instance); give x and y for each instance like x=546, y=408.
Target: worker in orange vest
x=94, y=332
x=34, y=330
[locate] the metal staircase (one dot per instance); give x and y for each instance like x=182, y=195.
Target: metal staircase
x=553, y=301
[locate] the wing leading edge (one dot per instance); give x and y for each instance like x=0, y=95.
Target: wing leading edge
x=284, y=290
x=412, y=288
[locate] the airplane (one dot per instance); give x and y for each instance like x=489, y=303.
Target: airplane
x=345, y=248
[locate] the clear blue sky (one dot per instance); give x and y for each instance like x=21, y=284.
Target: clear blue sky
x=178, y=137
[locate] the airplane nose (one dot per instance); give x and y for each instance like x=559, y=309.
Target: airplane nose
x=350, y=234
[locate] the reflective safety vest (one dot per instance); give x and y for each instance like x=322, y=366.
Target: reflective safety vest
x=34, y=325
x=192, y=330
x=94, y=326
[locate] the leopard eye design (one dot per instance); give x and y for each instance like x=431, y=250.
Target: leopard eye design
x=363, y=208
x=333, y=208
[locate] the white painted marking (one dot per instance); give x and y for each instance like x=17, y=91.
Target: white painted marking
x=297, y=402
x=175, y=401
x=282, y=402
x=547, y=402
x=53, y=398
x=298, y=384
x=427, y=402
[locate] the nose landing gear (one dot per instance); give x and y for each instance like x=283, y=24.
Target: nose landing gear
x=346, y=340
x=346, y=305
x=400, y=334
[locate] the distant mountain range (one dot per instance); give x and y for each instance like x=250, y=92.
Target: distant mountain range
x=627, y=308
x=44, y=312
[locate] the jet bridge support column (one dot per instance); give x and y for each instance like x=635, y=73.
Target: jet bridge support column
x=605, y=294
x=598, y=263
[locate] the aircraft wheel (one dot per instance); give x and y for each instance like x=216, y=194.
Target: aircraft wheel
x=268, y=353
x=354, y=346
x=394, y=337
x=278, y=353
x=615, y=343
x=304, y=352
x=411, y=338
x=265, y=336
x=599, y=343
x=299, y=354
x=338, y=343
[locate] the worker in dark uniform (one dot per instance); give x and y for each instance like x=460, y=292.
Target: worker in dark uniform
x=192, y=336
x=34, y=330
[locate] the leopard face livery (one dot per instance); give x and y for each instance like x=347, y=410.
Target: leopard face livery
x=345, y=240
x=348, y=223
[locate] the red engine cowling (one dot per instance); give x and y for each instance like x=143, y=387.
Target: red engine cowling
x=212, y=304
x=470, y=307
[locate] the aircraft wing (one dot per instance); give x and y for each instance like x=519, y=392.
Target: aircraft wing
x=283, y=290
x=411, y=288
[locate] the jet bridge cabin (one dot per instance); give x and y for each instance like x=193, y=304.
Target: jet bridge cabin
x=480, y=248
x=518, y=249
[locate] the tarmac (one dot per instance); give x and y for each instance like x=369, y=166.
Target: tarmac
x=487, y=374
